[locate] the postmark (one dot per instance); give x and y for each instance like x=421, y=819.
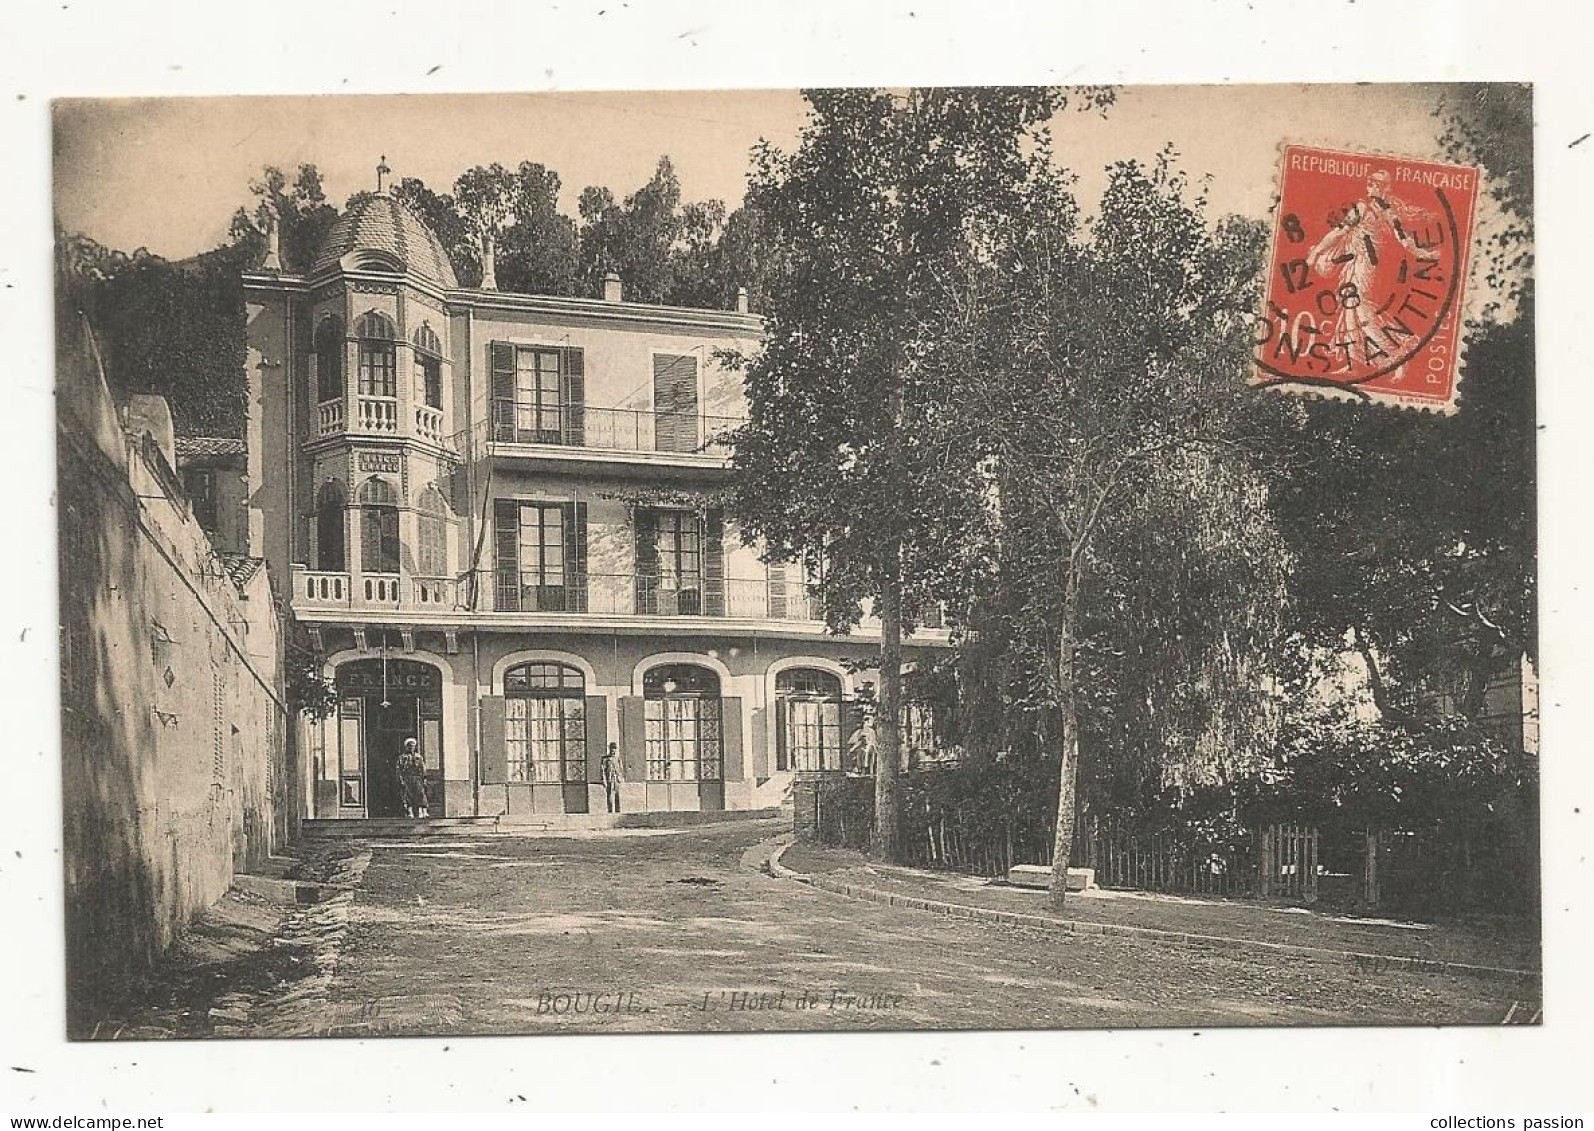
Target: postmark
x=1365, y=278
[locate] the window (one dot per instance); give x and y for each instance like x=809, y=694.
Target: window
x=538, y=394
x=808, y=735
x=378, y=366
x=379, y=540
x=680, y=562
x=428, y=367
x=680, y=558
x=545, y=725
x=329, y=540
x=540, y=551
x=329, y=360
x=682, y=720
x=432, y=515
x=199, y=484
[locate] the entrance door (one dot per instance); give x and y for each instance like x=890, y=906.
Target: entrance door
x=385, y=732
x=387, y=704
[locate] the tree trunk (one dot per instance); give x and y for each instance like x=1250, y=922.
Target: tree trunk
x=1068, y=771
x=888, y=716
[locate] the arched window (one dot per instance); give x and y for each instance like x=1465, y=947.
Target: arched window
x=379, y=540
x=378, y=370
x=330, y=550
x=428, y=366
x=682, y=717
x=808, y=732
x=545, y=723
x=329, y=360
x=432, y=515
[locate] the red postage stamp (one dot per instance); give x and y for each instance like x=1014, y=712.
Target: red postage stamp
x=1366, y=278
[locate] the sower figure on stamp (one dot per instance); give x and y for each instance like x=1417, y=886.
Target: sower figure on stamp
x=611, y=778
x=412, y=779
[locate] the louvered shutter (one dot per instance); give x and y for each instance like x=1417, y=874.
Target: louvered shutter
x=675, y=402
x=573, y=365
x=506, y=548
x=646, y=523
x=597, y=716
x=503, y=372
x=714, y=564
x=576, y=559
x=777, y=590
x=633, y=739
x=732, y=765
x=494, y=760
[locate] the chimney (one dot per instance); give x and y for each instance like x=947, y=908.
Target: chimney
x=741, y=300
x=489, y=261
x=612, y=290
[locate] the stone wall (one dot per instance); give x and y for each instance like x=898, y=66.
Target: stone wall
x=174, y=768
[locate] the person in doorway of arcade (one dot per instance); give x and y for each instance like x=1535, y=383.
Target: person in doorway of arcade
x=412, y=779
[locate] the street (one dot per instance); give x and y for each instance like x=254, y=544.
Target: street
x=672, y=930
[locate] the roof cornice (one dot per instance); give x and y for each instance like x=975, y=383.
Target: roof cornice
x=698, y=318
x=462, y=299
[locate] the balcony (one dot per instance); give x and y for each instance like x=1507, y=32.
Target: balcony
x=605, y=598
x=692, y=437
x=379, y=416
x=598, y=594
x=324, y=590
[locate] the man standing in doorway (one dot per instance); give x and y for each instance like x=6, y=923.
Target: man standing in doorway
x=611, y=777
x=412, y=779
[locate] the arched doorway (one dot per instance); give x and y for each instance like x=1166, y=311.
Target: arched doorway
x=683, y=734
x=808, y=730
x=545, y=733
x=380, y=704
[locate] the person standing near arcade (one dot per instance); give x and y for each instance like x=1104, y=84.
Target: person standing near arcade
x=412, y=779
x=610, y=769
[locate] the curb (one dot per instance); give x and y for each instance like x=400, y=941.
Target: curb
x=1362, y=962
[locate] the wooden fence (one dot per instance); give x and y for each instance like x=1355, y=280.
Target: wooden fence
x=1287, y=859
x=1164, y=860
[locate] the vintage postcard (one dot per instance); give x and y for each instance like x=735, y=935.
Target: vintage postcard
x=848, y=559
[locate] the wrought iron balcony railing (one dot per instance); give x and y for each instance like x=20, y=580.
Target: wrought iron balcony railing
x=614, y=429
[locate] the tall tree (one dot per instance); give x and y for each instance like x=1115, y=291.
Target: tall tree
x=1117, y=385
x=1415, y=533
x=853, y=459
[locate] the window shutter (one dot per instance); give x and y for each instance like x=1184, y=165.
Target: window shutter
x=776, y=572
x=714, y=564
x=597, y=735
x=506, y=540
x=782, y=722
x=494, y=761
x=732, y=767
x=503, y=370
x=576, y=559
x=675, y=402
x=646, y=523
x=575, y=376
x=390, y=539
x=633, y=739
x=371, y=539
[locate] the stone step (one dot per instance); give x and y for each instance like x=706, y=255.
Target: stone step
x=420, y=828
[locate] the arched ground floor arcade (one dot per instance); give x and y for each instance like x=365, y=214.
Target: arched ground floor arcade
x=516, y=724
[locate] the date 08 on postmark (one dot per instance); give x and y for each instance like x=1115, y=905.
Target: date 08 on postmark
x=1363, y=297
